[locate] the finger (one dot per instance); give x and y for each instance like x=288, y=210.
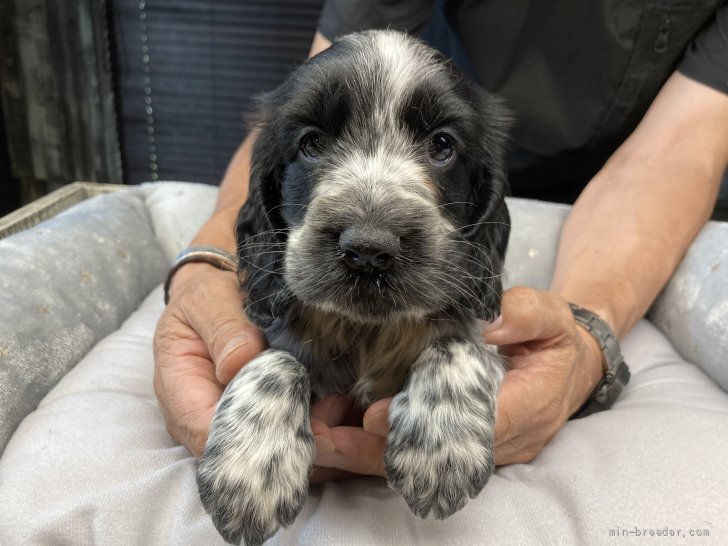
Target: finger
x=524, y=423
x=322, y=438
x=529, y=315
x=508, y=439
x=376, y=418
x=188, y=394
x=214, y=310
x=513, y=403
x=356, y=451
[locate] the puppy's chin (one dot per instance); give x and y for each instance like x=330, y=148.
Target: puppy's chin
x=359, y=299
x=372, y=312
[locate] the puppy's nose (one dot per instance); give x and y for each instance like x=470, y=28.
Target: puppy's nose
x=368, y=249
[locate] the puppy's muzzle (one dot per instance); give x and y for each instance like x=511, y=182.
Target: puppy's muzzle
x=368, y=249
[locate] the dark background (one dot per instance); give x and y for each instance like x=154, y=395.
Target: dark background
x=132, y=91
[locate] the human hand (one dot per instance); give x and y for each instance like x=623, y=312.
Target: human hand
x=202, y=340
x=346, y=445
x=554, y=367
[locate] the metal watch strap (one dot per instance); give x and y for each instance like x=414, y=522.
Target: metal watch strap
x=201, y=254
x=616, y=374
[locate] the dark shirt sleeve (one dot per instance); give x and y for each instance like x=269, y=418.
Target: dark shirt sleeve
x=340, y=17
x=706, y=58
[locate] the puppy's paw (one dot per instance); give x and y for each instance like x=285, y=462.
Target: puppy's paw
x=253, y=475
x=440, y=446
x=437, y=470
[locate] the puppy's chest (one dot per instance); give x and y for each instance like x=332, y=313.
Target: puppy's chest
x=367, y=362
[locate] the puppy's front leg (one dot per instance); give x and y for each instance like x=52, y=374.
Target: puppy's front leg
x=440, y=446
x=253, y=475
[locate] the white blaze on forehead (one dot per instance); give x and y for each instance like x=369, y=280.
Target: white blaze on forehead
x=404, y=63
x=384, y=165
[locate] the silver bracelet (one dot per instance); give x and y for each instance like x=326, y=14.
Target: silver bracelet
x=201, y=254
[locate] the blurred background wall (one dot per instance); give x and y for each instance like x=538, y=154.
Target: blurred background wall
x=130, y=91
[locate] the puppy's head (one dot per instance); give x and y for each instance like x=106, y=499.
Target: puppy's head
x=377, y=188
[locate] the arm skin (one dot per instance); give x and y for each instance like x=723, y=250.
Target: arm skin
x=621, y=242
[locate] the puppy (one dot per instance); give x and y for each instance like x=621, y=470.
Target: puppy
x=370, y=250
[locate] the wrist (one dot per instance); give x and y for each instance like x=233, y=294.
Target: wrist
x=613, y=370
x=594, y=364
x=190, y=259
x=611, y=312
x=219, y=231
x=189, y=274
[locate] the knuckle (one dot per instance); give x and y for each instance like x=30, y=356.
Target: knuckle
x=522, y=294
x=528, y=299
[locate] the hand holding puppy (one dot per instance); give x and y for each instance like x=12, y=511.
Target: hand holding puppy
x=202, y=340
x=554, y=366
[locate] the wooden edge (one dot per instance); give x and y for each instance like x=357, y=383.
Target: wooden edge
x=52, y=204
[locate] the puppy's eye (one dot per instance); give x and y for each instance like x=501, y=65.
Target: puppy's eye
x=311, y=146
x=441, y=149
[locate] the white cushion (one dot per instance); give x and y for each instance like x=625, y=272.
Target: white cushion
x=95, y=465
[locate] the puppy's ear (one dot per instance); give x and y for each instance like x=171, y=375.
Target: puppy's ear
x=261, y=234
x=490, y=223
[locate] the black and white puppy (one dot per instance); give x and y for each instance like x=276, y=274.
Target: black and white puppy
x=370, y=250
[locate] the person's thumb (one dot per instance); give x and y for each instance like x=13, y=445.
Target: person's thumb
x=215, y=312
x=240, y=344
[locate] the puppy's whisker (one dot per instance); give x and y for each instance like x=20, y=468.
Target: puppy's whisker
x=302, y=205
x=251, y=285
x=459, y=286
x=467, y=258
x=456, y=203
x=483, y=223
x=267, y=233
x=250, y=303
x=258, y=268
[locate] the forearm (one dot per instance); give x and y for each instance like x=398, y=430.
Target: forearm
x=631, y=226
x=219, y=230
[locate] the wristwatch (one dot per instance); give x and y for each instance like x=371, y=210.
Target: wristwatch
x=616, y=371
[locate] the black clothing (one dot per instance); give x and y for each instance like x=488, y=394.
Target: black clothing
x=579, y=75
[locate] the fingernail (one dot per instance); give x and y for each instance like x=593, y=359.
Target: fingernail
x=232, y=345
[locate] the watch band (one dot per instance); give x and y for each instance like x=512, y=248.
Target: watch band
x=616, y=371
x=201, y=254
